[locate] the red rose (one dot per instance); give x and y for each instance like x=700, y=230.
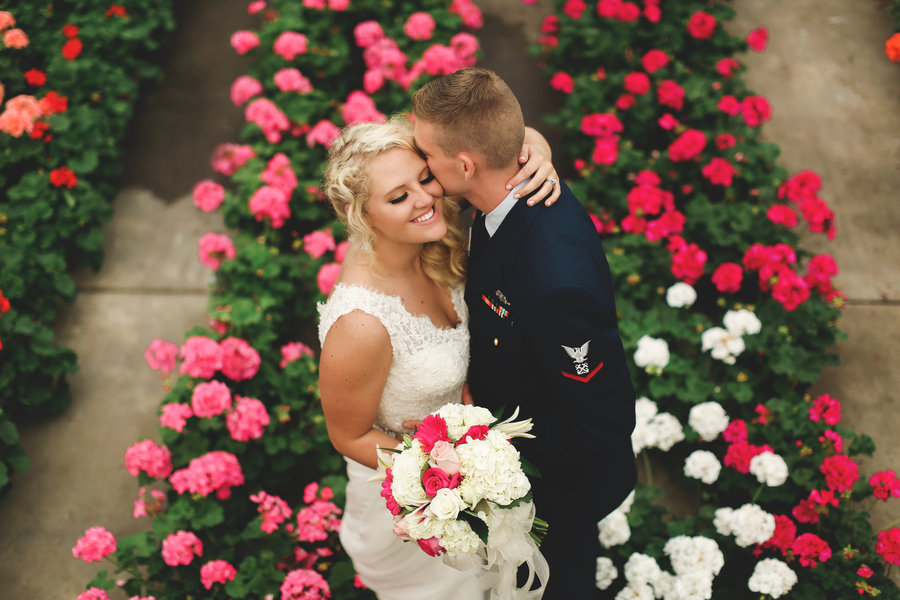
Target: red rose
x=434, y=479
x=758, y=38
x=654, y=60
x=431, y=546
x=637, y=83
x=728, y=277
x=69, y=30
x=719, y=172
x=63, y=176
x=476, y=432
x=669, y=93
x=71, y=49
x=35, y=77
x=701, y=25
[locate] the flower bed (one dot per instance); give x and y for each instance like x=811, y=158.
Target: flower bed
x=727, y=320
x=68, y=84
x=241, y=427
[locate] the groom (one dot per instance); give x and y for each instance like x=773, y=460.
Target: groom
x=542, y=320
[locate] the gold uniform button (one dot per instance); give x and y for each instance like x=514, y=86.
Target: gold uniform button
x=496, y=342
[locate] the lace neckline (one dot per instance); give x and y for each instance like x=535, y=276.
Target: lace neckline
x=399, y=301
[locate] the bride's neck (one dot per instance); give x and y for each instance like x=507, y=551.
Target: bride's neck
x=394, y=262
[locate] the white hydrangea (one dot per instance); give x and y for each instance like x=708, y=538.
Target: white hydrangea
x=642, y=569
x=614, y=529
x=703, y=465
x=772, y=577
x=681, y=295
x=708, y=419
x=636, y=592
x=742, y=322
x=725, y=346
x=460, y=417
x=769, y=468
x=652, y=354
x=491, y=470
x=606, y=572
x=698, y=553
x=407, y=471
x=456, y=536
x=749, y=524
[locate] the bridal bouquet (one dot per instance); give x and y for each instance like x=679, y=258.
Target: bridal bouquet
x=458, y=488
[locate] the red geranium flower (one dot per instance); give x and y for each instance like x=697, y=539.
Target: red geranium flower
x=69, y=30
x=811, y=549
x=702, y=25
x=63, y=176
x=884, y=483
x=4, y=303
x=71, y=49
x=758, y=38
x=888, y=545
x=117, y=11
x=53, y=103
x=35, y=77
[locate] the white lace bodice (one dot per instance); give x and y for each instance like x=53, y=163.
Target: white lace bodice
x=429, y=363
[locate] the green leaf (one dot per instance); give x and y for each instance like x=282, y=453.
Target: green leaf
x=478, y=526
x=84, y=163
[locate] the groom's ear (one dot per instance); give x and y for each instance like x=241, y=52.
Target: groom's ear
x=468, y=163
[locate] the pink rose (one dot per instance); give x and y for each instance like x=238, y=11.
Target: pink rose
x=431, y=546
x=327, y=276
x=15, y=38
x=445, y=457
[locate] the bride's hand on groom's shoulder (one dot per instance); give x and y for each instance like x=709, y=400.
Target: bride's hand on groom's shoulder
x=535, y=161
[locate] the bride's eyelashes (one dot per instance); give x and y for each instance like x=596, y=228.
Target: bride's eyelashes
x=404, y=195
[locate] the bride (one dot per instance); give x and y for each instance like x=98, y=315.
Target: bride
x=394, y=335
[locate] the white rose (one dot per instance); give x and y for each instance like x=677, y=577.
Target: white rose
x=446, y=504
x=702, y=465
x=606, y=572
x=652, y=354
x=708, y=419
x=742, y=322
x=769, y=469
x=407, y=472
x=681, y=295
x=772, y=577
x=614, y=529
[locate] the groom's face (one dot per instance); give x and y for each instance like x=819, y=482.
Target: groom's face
x=444, y=167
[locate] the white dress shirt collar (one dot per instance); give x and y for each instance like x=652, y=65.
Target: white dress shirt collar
x=494, y=219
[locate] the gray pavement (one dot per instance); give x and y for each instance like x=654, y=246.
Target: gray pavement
x=835, y=106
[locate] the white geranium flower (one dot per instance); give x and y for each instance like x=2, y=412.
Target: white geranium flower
x=691, y=585
x=645, y=409
x=769, y=468
x=641, y=569
x=681, y=295
x=696, y=553
x=652, y=354
x=606, y=572
x=742, y=322
x=666, y=431
x=708, y=419
x=751, y=525
x=772, y=577
x=635, y=592
x=703, y=465
x=625, y=507
x=614, y=529
x=722, y=520
x=725, y=346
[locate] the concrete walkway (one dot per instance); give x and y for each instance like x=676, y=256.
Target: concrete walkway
x=835, y=99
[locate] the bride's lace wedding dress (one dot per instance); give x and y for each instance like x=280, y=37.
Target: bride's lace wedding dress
x=428, y=370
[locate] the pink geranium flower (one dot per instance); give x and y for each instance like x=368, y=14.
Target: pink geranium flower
x=240, y=361
x=701, y=25
x=827, y=409
x=637, y=83
x=654, y=60
x=202, y=357
x=175, y=415
x=360, y=108
x=810, y=549
x=160, y=355
x=318, y=243
x=670, y=93
x=244, y=41
x=292, y=351
x=274, y=510
x=367, y=33
x=147, y=456
x=885, y=484
x=782, y=214
x=292, y=80
x=244, y=88
x=601, y=125
x=606, y=150
x=324, y=132
x=215, y=248
x=216, y=571
x=304, y=584
x=758, y=38
x=208, y=195
x=756, y=110
x=268, y=117
x=289, y=44
x=228, y=158
x=840, y=471
x=210, y=398
x=278, y=173
x=215, y=471
x=719, y=171
x=317, y=520
x=562, y=82
x=419, y=26
x=248, y=420
x=327, y=276
x=179, y=548
x=688, y=145
x=20, y=114
x=15, y=38
x=93, y=594
x=888, y=545
x=688, y=263
x=270, y=203
x=94, y=545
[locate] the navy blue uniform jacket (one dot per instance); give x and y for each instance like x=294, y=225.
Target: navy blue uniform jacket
x=539, y=285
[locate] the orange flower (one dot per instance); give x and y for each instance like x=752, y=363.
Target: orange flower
x=892, y=47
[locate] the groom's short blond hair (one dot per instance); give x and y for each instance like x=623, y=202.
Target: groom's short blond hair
x=473, y=110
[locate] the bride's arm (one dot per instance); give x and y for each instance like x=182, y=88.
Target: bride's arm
x=535, y=159
x=353, y=369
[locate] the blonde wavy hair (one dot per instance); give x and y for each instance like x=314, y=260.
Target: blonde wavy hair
x=346, y=186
